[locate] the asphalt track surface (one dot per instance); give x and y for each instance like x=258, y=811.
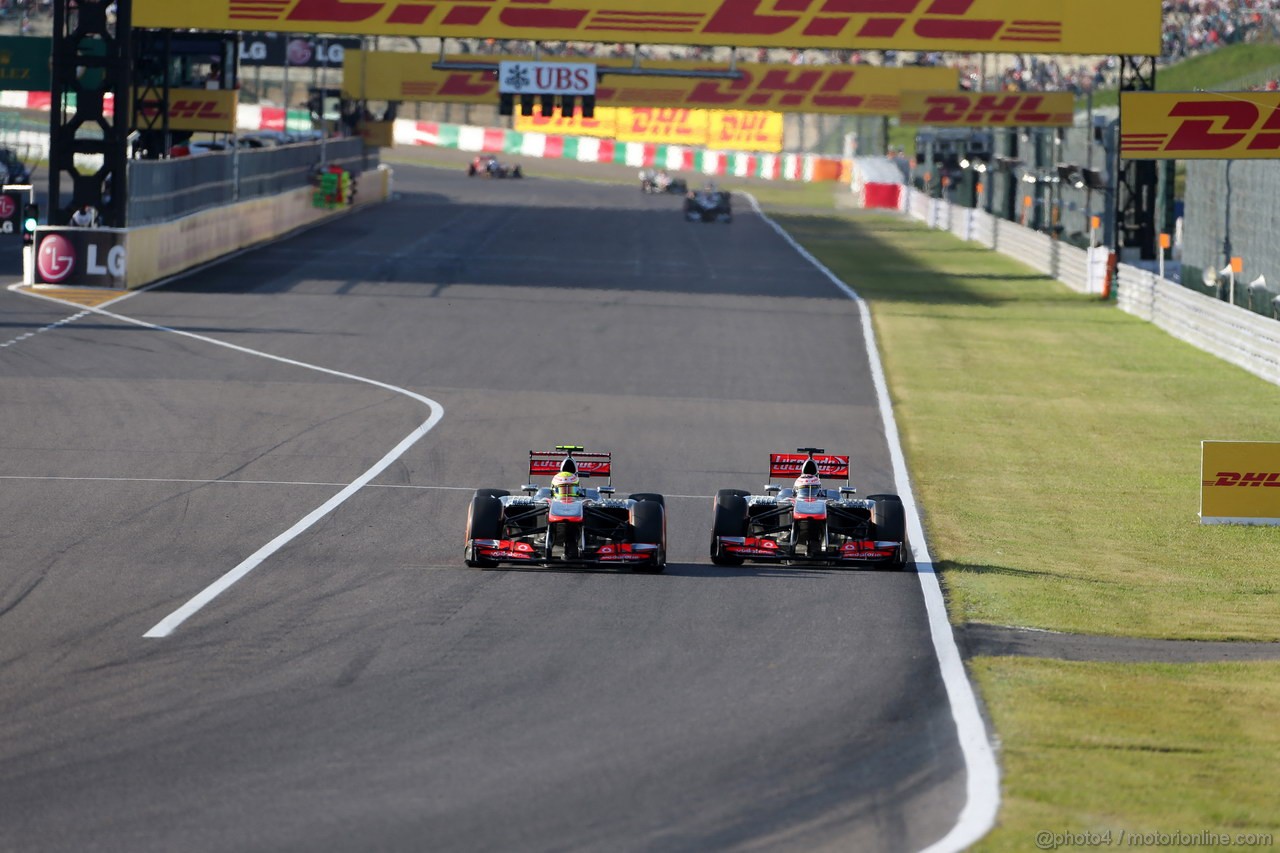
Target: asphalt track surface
x=360, y=689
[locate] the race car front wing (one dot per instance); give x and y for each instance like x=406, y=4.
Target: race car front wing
x=515, y=551
x=768, y=550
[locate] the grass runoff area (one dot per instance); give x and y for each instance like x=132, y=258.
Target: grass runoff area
x=1054, y=442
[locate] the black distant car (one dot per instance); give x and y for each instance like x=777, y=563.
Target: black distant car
x=489, y=167
x=807, y=524
x=12, y=169
x=567, y=524
x=708, y=205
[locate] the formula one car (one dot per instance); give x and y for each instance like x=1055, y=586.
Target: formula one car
x=661, y=182
x=808, y=524
x=566, y=524
x=491, y=168
x=708, y=205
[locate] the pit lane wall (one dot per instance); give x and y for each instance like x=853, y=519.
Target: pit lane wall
x=1231, y=332
x=143, y=255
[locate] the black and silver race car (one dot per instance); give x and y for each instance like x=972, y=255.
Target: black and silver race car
x=708, y=205
x=808, y=524
x=573, y=526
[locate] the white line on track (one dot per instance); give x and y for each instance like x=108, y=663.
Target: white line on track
x=982, y=799
x=62, y=322
x=265, y=483
x=167, y=625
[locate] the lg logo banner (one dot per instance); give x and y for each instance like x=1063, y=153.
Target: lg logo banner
x=91, y=258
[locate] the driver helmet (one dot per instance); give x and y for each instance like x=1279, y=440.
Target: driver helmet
x=564, y=486
x=808, y=487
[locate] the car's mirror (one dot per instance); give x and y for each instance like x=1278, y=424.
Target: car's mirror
x=529, y=488
x=606, y=490
x=771, y=489
x=848, y=490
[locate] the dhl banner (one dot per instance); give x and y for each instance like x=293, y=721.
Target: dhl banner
x=1200, y=126
x=720, y=130
x=198, y=109
x=1239, y=482
x=988, y=109
x=986, y=26
x=843, y=89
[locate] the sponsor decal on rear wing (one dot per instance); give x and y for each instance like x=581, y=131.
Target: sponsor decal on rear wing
x=790, y=465
x=546, y=463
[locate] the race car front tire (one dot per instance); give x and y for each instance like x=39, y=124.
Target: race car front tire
x=492, y=493
x=730, y=520
x=649, y=496
x=890, y=523
x=648, y=525
x=484, y=521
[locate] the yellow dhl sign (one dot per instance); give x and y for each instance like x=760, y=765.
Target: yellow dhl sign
x=212, y=110
x=1239, y=482
x=988, y=109
x=1200, y=126
x=986, y=26
x=843, y=89
x=725, y=130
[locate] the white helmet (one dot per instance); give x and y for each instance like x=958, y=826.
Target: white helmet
x=564, y=486
x=808, y=487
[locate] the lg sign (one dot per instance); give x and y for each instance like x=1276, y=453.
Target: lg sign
x=82, y=257
x=8, y=208
x=56, y=259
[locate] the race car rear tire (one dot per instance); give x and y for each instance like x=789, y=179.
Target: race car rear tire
x=890, y=525
x=649, y=496
x=649, y=525
x=730, y=520
x=484, y=521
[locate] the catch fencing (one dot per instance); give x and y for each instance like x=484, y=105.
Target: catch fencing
x=1232, y=207
x=1231, y=332
x=164, y=190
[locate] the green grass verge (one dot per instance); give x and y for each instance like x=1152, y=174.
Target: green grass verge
x=1096, y=748
x=1054, y=443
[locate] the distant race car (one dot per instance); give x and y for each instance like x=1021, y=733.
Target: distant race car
x=491, y=168
x=708, y=205
x=661, y=182
x=806, y=523
x=567, y=524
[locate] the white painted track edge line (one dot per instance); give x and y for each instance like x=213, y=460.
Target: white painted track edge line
x=167, y=625
x=982, y=788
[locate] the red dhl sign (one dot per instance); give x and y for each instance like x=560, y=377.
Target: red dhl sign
x=193, y=109
x=988, y=109
x=1200, y=126
x=999, y=26
x=860, y=90
x=1240, y=482
x=725, y=130
x=1270, y=479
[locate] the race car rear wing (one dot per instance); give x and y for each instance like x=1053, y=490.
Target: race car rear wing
x=548, y=463
x=791, y=465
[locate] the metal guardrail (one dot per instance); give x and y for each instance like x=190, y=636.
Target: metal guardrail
x=163, y=190
x=1230, y=332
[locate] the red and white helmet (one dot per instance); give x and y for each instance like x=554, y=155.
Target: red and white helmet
x=808, y=486
x=564, y=486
